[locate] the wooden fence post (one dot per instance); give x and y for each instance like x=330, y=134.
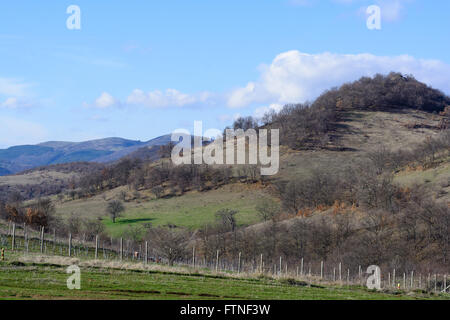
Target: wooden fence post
x=301, y=267
x=96, y=247
x=360, y=274
x=239, y=263
x=412, y=280
x=146, y=252
x=13, y=239
x=121, y=249
x=54, y=239
x=393, y=278
x=217, y=260
x=70, y=244
x=25, y=235
x=348, y=277
x=435, y=282
x=340, y=271
x=321, y=269
x=42, y=239
x=281, y=270
x=404, y=281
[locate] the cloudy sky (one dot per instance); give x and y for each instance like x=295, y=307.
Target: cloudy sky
x=142, y=68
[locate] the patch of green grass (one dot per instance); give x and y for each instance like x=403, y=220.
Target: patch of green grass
x=434, y=175
x=34, y=281
x=191, y=210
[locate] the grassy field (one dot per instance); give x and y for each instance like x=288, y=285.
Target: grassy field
x=25, y=280
x=192, y=210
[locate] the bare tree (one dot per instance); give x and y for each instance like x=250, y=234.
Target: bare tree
x=226, y=217
x=170, y=244
x=267, y=209
x=114, y=209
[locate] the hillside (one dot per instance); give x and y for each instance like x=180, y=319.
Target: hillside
x=364, y=131
x=20, y=158
x=362, y=184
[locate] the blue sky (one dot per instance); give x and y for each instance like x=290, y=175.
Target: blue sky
x=139, y=69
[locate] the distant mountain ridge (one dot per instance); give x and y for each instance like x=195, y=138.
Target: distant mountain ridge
x=20, y=158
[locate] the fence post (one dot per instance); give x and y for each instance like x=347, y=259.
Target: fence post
x=42, y=239
x=13, y=239
x=121, y=249
x=389, y=279
x=193, y=257
x=321, y=269
x=360, y=275
x=261, y=264
x=25, y=236
x=404, y=281
x=393, y=278
x=239, y=263
x=412, y=280
x=301, y=267
x=445, y=283
x=435, y=282
x=281, y=271
x=334, y=274
x=340, y=271
x=348, y=277
x=217, y=260
x=96, y=247
x=146, y=252
x=70, y=244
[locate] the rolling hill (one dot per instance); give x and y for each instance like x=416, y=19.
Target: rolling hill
x=20, y=158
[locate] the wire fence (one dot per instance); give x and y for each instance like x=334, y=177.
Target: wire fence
x=20, y=239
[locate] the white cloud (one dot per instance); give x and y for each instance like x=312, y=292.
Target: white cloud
x=15, y=103
x=168, y=98
x=294, y=76
x=15, y=94
x=229, y=117
x=154, y=99
x=261, y=111
x=105, y=101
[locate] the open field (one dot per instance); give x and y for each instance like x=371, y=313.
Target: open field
x=191, y=210
x=437, y=179
x=35, y=178
x=47, y=280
